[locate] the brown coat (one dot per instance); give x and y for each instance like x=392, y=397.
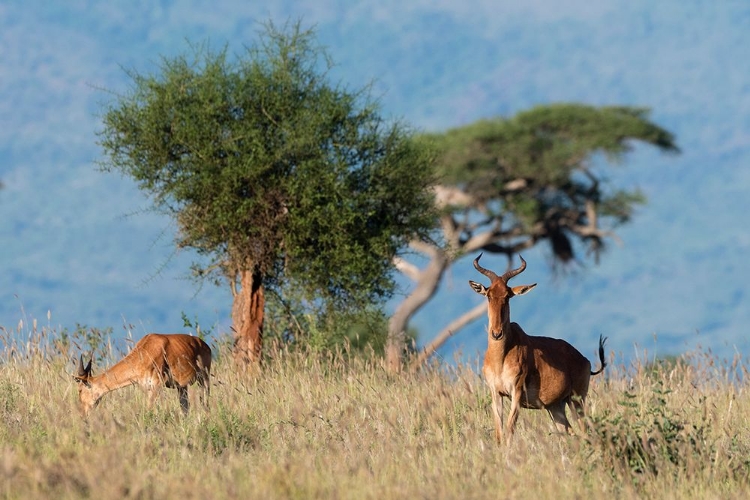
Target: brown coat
x=533, y=372
x=171, y=360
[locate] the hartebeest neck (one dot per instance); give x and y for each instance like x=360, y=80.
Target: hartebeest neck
x=122, y=374
x=512, y=336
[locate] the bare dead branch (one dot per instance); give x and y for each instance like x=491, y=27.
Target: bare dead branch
x=407, y=268
x=516, y=185
x=446, y=196
x=447, y=332
x=425, y=248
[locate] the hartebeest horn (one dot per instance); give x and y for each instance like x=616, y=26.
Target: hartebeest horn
x=514, y=272
x=491, y=275
x=84, y=372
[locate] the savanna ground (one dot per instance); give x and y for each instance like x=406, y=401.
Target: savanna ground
x=337, y=426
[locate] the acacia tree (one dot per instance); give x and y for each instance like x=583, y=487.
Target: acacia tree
x=506, y=185
x=273, y=174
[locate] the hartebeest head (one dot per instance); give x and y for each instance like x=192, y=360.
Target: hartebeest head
x=86, y=396
x=498, y=295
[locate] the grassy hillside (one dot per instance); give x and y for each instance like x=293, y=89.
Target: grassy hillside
x=333, y=426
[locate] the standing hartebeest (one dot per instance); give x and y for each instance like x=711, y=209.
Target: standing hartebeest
x=174, y=360
x=534, y=372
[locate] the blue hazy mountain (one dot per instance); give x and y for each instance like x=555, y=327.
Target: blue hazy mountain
x=81, y=246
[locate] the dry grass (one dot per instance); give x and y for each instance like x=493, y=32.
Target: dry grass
x=332, y=427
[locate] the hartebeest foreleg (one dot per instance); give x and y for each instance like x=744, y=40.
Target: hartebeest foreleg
x=497, y=405
x=515, y=406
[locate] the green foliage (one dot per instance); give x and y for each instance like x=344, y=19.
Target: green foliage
x=663, y=366
x=644, y=436
x=267, y=166
x=546, y=144
x=537, y=175
x=315, y=326
x=228, y=432
x=195, y=325
x=9, y=397
x=92, y=340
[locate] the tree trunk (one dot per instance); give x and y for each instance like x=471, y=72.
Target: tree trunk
x=427, y=284
x=247, y=319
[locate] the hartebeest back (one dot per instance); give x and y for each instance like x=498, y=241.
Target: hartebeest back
x=175, y=361
x=534, y=372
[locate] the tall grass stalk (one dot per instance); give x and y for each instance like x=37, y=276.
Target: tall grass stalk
x=338, y=426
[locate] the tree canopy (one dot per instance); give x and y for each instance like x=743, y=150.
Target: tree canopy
x=269, y=168
x=532, y=175
x=508, y=184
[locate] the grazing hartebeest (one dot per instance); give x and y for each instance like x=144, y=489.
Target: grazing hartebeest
x=534, y=372
x=175, y=361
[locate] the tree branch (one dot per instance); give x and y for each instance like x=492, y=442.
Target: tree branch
x=407, y=268
x=425, y=248
x=440, y=339
x=449, y=196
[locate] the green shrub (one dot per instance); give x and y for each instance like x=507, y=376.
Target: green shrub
x=646, y=436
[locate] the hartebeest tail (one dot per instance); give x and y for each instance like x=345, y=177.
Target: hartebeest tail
x=534, y=372
x=175, y=361
x=602, y=340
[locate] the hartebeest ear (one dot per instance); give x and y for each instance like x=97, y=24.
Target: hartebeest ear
x=521, y=289
x=478, y=287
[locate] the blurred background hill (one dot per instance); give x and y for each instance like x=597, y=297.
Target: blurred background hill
x=82, y=245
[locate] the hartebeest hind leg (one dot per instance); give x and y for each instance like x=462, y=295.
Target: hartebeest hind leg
x=184, y=401
x=152, y=392
x=577, y=412
x=557, y=412
x=205, y=388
